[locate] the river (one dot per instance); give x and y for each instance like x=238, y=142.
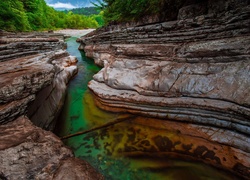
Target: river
x=104, y=148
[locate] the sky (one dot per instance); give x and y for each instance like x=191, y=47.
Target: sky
x=69, y=4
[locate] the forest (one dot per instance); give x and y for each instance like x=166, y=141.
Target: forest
x=85, y=11
x=35, y=15
x=133, y=10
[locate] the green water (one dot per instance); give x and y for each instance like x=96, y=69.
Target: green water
x=120, y=151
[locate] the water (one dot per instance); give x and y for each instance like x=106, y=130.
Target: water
x=120, y=151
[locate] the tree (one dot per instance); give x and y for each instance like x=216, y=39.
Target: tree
x=13, y=17
x=28, y=15
x=130, y=10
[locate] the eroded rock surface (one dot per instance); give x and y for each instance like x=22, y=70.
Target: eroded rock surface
x=22, y=78
x=28, y=152
x=22, y=44
x=192, y=70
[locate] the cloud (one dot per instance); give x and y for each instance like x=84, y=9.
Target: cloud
x=62, y=5
x=48, y=1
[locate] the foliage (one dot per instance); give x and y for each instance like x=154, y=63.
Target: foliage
x=13, y=16
x=87, y=11
x=129, y=10
x=28, y=15
x=92, y=13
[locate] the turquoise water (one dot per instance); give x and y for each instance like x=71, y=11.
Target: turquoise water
x=114, y=150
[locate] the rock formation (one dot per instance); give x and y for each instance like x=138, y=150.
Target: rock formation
x=38, y=68
x=28, y=152
x=34, y=72
x=193, y=71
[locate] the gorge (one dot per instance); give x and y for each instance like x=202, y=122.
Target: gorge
x=170, y=99
x=35, y=70
x=191, y=73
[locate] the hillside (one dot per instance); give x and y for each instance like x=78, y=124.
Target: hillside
x=29, y=15
x=87, y=11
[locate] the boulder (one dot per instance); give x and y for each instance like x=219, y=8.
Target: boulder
x=28, y=152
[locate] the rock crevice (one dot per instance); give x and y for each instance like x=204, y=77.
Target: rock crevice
x=35, y=69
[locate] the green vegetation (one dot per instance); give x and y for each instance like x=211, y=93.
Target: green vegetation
x=130, y=10
x=91, y=12
x=87, y=11
x=30, y=15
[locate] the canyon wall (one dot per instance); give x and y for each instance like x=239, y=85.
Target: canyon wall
x=29, y=64
x=34, y=72
x=193, y=71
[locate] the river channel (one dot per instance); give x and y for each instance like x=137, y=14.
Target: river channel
x=104, y=148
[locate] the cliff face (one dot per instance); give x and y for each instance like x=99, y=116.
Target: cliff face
x=34, y=71
x=193, y=71
x=34, y=66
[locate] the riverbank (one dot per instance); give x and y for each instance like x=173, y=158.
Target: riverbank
x=74, y=32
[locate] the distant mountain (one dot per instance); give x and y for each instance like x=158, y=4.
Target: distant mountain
x=70, y=4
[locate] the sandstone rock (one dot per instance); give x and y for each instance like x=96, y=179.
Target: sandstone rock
x=28, y=152
x=15, y=45
x=194, y=70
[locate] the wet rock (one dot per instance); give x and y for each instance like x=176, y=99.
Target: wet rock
x=73, y=168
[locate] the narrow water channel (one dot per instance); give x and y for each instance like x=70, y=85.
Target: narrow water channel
x=104, y=148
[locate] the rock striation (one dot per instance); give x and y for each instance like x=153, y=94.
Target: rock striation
x=23, y=44
x=34, y=72
x=39, y=69
x=193, y=70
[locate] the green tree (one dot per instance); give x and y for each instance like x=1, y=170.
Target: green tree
x=28, y=15
x=13, y=16
x=130, y=10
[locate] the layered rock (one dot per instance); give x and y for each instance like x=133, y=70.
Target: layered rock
x=50, y=99
x=34, y=72
x=194, y=70
x=34, y=66
x=22, y=44
x=22, y=79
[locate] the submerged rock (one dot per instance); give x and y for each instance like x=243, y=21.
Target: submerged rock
x=194, y=70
